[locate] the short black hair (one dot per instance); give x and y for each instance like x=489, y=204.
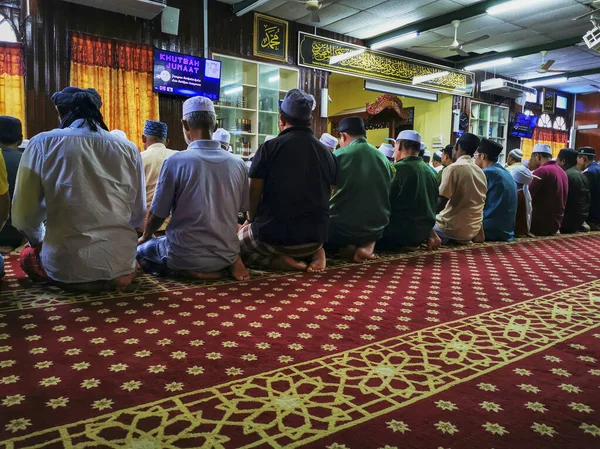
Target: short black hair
x=569, y=155
x=426, y=159
x=437, y=157
x=448, y=149
x=411, y=145
x=293, y=121
x=589, y=157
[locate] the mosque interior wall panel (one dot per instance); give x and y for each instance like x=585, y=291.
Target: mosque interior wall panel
x=588, y=113
x=47, y=47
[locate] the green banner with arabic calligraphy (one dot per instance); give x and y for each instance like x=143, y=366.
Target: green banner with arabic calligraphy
x=270, y=37
x=335, y=56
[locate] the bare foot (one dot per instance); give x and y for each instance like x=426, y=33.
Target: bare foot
x=480, y=237
x=122, y=282
x=19, y=250
x=239, y=271
x=200, y=275
x=434, y=241
x=365, y=252
x=347, y=252
x=287, y=263
x=319, y=261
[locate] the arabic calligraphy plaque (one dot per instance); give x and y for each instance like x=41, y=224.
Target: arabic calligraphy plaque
x=270, y=37
x=336, y=56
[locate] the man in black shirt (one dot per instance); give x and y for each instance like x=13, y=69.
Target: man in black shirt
x=578, y=199
x=586, y=162
x=290, y=184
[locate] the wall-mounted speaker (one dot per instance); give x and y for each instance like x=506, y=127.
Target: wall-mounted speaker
x=169, y=22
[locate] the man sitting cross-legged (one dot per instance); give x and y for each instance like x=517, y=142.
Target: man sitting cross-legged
x=360, y=204
x=462, y=195
x=290, y=184
x=413, y=197
x=87, y=186
x=202, y=188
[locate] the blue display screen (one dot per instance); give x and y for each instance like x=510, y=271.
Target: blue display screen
x=524, y=126
x=189, y=76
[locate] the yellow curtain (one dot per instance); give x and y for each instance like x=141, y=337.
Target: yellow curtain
x=121, y=72
x=127, y=97
x=528, y=145
x=12, y=82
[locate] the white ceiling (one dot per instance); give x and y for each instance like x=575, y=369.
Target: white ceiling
x=535, y=23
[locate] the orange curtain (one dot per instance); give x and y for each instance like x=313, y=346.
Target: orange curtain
x=553, y=137
x=12, y=82
x=122, y=73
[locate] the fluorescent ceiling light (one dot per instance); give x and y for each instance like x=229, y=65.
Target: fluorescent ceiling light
x=489, y=64
x=251, y=7
x=547, y=82
x=234, y=90
x=511, y=6
x=395, y=40
x=424, y=78
x=397, y=89
x=351, y=54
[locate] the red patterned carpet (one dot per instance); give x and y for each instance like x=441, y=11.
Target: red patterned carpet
x=492, y=346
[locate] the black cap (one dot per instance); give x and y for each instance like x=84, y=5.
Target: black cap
x=448, y=150
x=490, y=148
x=586, y=151
x=469, y=142
x=353, y=126
x=11, y=130
x=569, y=155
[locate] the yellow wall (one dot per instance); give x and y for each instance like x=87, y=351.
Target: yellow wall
x=432, y=119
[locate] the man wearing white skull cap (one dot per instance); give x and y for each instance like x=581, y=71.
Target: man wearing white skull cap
x=202, y=189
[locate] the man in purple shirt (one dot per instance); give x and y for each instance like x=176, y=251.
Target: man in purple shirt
x=548, y=192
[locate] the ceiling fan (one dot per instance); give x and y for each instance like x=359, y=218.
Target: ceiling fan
x=457, y=46
x=545, y=67
x=313, y=6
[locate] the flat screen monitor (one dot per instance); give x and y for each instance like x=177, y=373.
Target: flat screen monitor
x=524, y=125
x=185, y=75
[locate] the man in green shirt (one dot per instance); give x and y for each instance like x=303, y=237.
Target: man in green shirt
x=413, y=196
x=360, y=204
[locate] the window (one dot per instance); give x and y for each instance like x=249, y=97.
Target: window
x=560, y=124
x=545, y=121
x=7, y=32
x=561, y=102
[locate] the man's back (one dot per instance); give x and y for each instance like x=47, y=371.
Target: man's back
x=203, y=188
x=592, y=174
x=413, y=199
x=298, y=172
x=548, y=198
x=93, y=189
x=500, y=210
x=578, y=201
x=465, y=187
x=360, y=204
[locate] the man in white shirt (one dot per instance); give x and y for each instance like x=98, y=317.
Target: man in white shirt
x=155, y=152
x=88, y=187
x=462, y=195
x=202, y=188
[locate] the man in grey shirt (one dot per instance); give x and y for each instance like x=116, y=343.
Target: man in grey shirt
x=202, y=189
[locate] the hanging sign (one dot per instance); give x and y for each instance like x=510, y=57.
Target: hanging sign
x=270, y=37
x=336, y=56
x=549, y=97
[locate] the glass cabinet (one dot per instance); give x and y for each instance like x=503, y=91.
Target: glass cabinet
x=248, y=103
x=491, y=122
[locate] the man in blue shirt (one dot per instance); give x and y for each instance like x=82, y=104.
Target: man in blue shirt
x=500, y=210
x=202, y=189
x=586, y=162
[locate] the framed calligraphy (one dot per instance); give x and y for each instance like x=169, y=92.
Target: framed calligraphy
x=549, y=97
x=270, y=37
x=341, y=57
